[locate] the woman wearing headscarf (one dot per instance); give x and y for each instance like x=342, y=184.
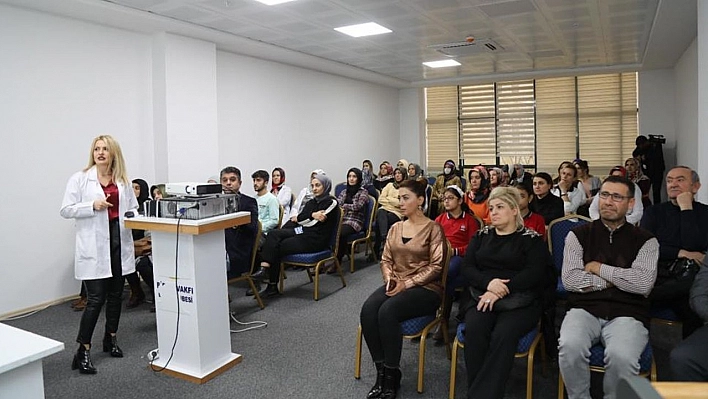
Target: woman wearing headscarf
x=520, y=175
x=367, y=178
x=304, y=196
x=137, y=295
x=282, y=192
x=496, y=176
x=414, y=171
x=385, y=175
x=402, y=163
x=635, y=174
x=389, y=209
x=315, y=224
x=448, y=178
x=478, y=192
x=353, y=201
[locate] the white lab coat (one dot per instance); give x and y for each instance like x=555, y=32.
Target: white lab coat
x=92, y=259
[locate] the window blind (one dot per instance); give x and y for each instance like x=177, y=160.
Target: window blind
x=477, y=124
x=556, y=125
x=516, y=123
x=441, y=127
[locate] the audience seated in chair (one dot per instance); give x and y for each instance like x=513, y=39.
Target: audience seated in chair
x=268, y=207
x=635, y=174
x=496, y=176
x=142, y=247
x=504, y=265
x=544, y=203
x=389, y=211
x=414, y=171
x=520, y=175
x=459, y=227
x=478, y=192
x=591, y=184
x=609, y=268
x=689, y=360
x=239, y=239
x=303, y=197
x=367, y=175
x=569, y=189
x=681, y=226
x=385, y=176
x=311, y=233
x=532, y=220
x=353, y=201
x=281, y=191
x=411, y=266
x=448, y=178
x=634, y=214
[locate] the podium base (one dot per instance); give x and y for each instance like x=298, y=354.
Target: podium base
x=234, y=359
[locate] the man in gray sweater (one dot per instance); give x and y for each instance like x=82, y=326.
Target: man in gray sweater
x=689, y=359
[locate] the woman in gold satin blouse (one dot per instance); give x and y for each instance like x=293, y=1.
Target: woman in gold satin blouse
x=411, y=265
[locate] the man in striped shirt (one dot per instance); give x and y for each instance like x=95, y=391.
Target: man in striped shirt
x=609, y=269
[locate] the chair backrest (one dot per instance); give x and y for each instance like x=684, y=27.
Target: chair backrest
x=339, y=188
x=281, y=210
x=334, y=239
x=558, y=229
x=369, y=215
x=259, y=233
x=479, y=220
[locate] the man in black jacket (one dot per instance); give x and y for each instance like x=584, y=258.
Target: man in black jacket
x=689, y=360
x=239, y=239
x=681, y=226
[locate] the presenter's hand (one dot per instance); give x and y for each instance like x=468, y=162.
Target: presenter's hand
x=101, y=204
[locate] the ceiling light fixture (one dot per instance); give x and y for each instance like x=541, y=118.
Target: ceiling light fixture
x=367, y=29
x=273, y=2
x=441, y=64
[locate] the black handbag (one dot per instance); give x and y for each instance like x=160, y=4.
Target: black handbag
x=684, y=269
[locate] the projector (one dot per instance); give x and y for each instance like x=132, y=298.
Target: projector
x=192, y=188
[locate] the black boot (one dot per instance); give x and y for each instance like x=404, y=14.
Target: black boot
x=391, y=383
x=376, y=390
x=82, y=361
x=249, y=292
x=271, y=291
x=259, y=274
x=110, y=344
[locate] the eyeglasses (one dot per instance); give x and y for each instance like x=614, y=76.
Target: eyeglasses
x=449, y=198
x=615, y=197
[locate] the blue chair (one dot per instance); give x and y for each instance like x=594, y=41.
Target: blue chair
x=364, y=236
x=339, y=188
x=525, y=348
x=664, y=316
x=647, y=366
x=418, y=327
x=315, y=260
x=557, y=230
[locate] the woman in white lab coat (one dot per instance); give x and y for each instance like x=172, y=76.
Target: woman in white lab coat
x=97, y=198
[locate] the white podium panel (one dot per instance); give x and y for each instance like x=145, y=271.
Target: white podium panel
x=193, y=288
x=21, y=355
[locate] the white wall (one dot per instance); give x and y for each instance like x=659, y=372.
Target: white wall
x=686, y=77
x=412, y=117
x=272, y=115
x=62, y=82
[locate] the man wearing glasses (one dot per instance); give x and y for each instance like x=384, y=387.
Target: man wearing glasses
x=609, y=268
x=634, y=213
x=681, y=226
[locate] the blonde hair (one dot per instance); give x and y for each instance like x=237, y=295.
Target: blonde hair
x=117, y=166
x=510, y=196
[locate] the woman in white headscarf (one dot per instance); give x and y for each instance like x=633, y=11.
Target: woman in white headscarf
x=304, y=196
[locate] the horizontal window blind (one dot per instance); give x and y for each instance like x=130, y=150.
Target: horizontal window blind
x=477, y=124
x=516, y=123
x=441, y=126
x=556, y=125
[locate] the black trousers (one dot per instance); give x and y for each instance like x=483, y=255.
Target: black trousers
x=105, y=290
x=673, y=294
x=283, y=242
x=491, y=339
x=343, y=248
x=384, y=220
x=381, y=316
x=689, y=359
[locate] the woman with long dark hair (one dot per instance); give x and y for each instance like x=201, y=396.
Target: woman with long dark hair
x=282, y=192
x=411, y=267
x=97, y=198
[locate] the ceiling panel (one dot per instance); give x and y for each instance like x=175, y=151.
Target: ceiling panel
x=534, y=34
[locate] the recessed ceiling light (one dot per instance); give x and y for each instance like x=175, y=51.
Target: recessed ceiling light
x=441, y=64
x=367, y=29
x=273, y=2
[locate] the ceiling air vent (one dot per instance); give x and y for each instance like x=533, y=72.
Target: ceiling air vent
x=466, y=48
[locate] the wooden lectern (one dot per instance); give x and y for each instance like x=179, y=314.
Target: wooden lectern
x=194, y=287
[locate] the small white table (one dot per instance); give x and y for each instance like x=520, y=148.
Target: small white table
x=21, y=355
